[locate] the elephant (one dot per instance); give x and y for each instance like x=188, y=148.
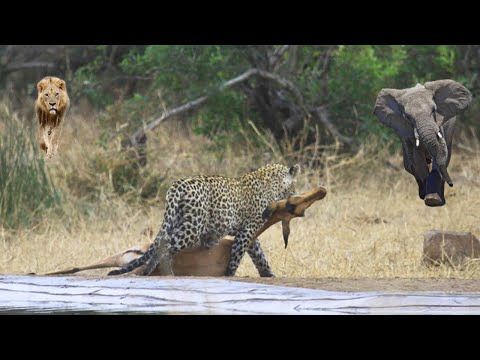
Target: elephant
x=423, y=117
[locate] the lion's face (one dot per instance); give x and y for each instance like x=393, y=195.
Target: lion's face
x=52, y=94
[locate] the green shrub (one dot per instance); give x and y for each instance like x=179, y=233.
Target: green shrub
x=159, y=77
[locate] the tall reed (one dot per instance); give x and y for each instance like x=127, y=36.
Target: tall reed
x=25, y=186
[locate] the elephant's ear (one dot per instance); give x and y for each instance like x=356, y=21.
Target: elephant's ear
x=389, y=112
x=451, y=98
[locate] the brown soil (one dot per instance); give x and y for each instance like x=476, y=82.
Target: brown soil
x=445, y=285
x=381, y=285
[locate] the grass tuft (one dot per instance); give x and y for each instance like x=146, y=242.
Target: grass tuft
x=370, y=224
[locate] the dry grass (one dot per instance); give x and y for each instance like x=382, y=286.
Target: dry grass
x=371, y=223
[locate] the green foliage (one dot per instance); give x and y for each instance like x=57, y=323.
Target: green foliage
x=89, y=83
x=164, y=76
x=174, y=74
x=359, y=72
x=125, y=177
x=134, y=183
x=25, y=186
x=223, y=116
x=184, y=72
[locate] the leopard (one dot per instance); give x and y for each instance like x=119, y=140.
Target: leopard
x=200, y=210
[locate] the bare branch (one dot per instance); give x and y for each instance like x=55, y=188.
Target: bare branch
x=282, y=82
x=197, y=103
x=68, y=68
x=238, y=79
x=321, y=113
x=27, y=65
x=126, y=77
x=323, y=116
x=192, y=105
x=112, y=55
x=326, y=60
x=292, y=59
x=323, y=75
x=277, y=55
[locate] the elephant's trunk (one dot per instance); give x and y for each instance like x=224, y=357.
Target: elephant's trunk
x=445, y=176
x=434, y=142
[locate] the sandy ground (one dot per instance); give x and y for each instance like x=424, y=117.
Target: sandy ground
x=444, y=285
x=380, y=285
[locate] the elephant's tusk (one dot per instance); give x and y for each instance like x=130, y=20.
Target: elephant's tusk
x=417, y=137
x=440, y=135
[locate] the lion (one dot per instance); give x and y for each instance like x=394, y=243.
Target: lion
x=51, y=106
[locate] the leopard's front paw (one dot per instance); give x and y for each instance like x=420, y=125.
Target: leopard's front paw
x=267, y=274
x=229, y=272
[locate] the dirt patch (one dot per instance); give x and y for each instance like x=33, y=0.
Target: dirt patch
x=381, y=285
x=445, y=285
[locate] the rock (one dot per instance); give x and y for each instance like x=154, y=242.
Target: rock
x=449, y=247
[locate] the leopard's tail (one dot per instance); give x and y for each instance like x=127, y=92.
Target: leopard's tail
x=167, y=228
x=132, y=265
